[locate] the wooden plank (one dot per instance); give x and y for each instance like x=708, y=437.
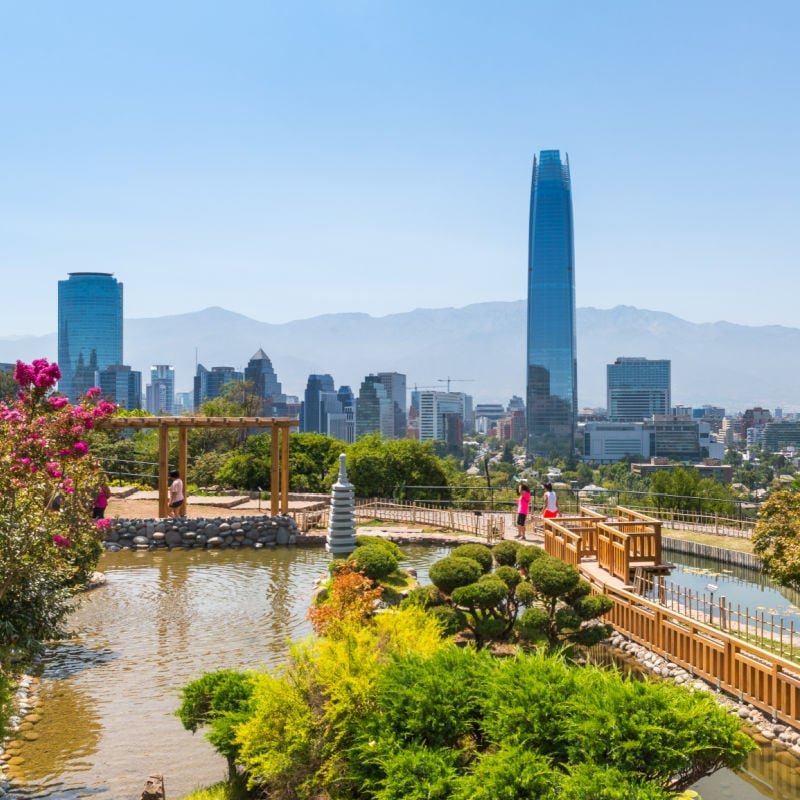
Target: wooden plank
x=183, y=463
x=274, y=480
x=163, y=470
x=284, y=429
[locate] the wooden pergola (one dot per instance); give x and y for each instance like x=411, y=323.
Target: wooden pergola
x=279, y=426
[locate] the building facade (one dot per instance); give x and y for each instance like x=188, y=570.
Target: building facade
x=160, y=393
x=312, y=419
x=395, y=385
x=89, y=329
x=122, y=385
x=442, y=416
x=208, y=383
x=260, y=372
x=638, y=388
x=552, y=375
x=374, y=409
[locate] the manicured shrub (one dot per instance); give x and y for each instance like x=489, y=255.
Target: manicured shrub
x=553, y=577
x=606, y=783
x=510, y=773
x=477, y=552
x=416, y=773
x=525, y=593
x=509, y=576
x=452, y=572
x=423, y=597
x=527, y=554
x=481, y=595
x=505, y=553
x=363, y=540
x=374, y=561
x=532, y=624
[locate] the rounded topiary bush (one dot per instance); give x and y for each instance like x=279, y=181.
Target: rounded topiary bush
x=525, y=593
x=452, y=572
x=532, y=623
x=477, y=552
x=483, y=594
x=551, y=576
x=374, y=561
x=392, y=547
x=527, y=554
x=505, y=554
x=508, y=575
x=423, y=597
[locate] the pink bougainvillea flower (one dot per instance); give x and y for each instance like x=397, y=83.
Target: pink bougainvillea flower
x=24, y=374
x=61, y=541
x=81, y=448
x=94, y=391
x=57, y=402
x=102, y=524
x=53, y=469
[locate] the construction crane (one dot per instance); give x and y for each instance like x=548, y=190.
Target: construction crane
x=448, y=380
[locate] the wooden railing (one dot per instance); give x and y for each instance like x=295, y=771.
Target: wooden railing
x=573, y=537
x=628, y=540
x=753, y=674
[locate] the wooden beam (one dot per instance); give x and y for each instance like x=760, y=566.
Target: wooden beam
x=274, y=479
x=183, y=462
x=284, y=429
x=163, y=469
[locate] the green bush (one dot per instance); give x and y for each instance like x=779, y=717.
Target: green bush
x=528, y=554
x=525, y=593
x=505, y=553
x=452, y=572
x=532, y=624
x=510, y=773
x=451, y=619
x=481, y=595
x=509, y=576
x=375, y=561
x=552, y=577
x=392, y=547
x=606, y=783
x=477, y=552
x=423, y=597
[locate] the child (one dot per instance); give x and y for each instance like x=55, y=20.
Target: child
x=175, y=494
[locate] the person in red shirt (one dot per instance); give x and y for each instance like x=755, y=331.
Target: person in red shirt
x=101, y=501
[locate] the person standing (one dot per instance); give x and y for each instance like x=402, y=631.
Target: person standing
x=176, y=496
x=523, y=505
x=101, y=501
x=550, y=507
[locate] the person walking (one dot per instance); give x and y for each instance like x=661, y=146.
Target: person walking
x=523, y=504
x=176, y=497
x=101, y=501
x=550, y=507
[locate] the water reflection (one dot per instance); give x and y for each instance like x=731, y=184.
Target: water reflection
x=109, y=694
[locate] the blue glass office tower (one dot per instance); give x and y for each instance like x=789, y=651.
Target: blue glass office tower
x=89, y=329
x=552, y=379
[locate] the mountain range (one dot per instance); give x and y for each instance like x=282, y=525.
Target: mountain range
x=480, y=347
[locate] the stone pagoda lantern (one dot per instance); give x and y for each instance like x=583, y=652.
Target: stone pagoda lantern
x=341, y=539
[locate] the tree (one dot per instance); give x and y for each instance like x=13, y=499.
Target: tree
x=382, y=468
x=776, y=539
x=8, y=387
x=48, y=482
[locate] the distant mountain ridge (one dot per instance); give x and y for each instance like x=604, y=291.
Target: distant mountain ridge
x=483, y=344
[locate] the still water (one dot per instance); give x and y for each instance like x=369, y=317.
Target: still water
x=109, y=694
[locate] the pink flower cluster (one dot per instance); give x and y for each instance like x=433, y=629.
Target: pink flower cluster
x=102, y=524
x=41, y=374
x=62, y=541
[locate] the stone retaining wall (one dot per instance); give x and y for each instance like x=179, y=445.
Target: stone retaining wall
x=217, y=533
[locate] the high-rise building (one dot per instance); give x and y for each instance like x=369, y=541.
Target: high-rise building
x=122, y=385
x=439, y=413
x=208, y=383
x=160, y=393
x=374, y=409
x=89, y=329
x=638, y=388
x=312, y=418
x=395, y=383
x=259, y=370
x=552, y=373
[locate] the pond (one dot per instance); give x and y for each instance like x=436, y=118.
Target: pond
x=109, y=694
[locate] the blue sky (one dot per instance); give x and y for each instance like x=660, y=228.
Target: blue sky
x=285, y=160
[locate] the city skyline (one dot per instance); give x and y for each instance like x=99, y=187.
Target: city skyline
x=311, y=145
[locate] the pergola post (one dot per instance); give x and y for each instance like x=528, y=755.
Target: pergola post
x=183, y=462
x=274, y=478
x=285, y=470
x=163, y=469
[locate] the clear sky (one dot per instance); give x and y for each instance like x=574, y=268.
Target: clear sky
x=285, y=160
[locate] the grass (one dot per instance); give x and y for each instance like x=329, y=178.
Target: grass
x=393, y=523
x=725, y=542
x=220, y=791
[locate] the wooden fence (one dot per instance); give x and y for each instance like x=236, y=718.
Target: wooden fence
x=626, y=541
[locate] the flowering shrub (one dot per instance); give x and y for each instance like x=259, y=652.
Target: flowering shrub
x=351, y=598
x=48, y=481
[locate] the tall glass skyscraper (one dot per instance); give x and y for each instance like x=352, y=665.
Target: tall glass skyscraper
x=89, y=329
x=552, y=379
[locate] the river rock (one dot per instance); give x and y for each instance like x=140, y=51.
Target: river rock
x=282, y=536
x=173, y=538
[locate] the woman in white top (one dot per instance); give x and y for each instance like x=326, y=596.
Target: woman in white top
x=550, y=509
x=176, y=497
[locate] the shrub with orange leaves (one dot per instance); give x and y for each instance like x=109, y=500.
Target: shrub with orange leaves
x=351, y=598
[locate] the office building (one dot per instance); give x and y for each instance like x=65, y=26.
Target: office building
x=675, y=438
x=395, y=385
x=312, y=419
x=208, y=383
x=260, y=372
x=89, y=329
x=442, y=416
x=121, y=385
x=375, y=410
x=638, y=388
x=552, y=376
x=160, y=392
